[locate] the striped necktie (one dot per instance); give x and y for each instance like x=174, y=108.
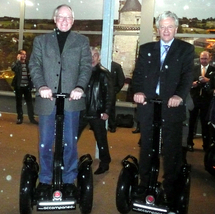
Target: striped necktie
x=163, y=55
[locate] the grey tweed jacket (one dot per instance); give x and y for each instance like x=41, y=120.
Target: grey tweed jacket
x=45, y=65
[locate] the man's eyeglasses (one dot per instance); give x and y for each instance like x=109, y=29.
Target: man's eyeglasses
x=61, y=18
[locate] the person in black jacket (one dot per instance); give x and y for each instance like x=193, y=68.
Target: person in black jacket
x=202, y=96
x=118, y=79
x=211, y=111
x=98, y=104
x=22, y=86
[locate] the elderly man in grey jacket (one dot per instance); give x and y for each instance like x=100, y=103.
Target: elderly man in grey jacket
x=60, y=63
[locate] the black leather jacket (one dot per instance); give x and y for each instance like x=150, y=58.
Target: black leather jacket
x=99, y=92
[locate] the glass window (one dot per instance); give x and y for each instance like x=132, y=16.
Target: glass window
x=39, y=14
x=9, y=14
x=8, y=52
x=195, y=16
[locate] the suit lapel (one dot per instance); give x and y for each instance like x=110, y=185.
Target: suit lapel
x=156, y=54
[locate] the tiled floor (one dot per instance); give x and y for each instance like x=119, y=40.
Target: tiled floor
x=17, y=140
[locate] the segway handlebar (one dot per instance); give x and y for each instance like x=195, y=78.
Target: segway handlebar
x=158, y=101
x=63, y=95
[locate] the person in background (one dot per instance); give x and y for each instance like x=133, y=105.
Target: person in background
x=202, y=96
x=60, y=63
x=118, y=79
x=98, y=105
x=211, y=110
x=164, y=70
x=22, y=86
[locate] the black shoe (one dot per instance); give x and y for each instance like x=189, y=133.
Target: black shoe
x=113, y=130
x=43, y=191
x=139, y=142
x=34, y=121
x=70, y=190
x=137, y=130
x=101, y=170
x=190, y=148
x=19, y=121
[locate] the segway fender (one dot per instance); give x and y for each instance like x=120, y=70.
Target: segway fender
x=209, y=159
x=127, y=179
x=29, y=172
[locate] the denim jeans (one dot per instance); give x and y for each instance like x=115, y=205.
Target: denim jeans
x=46, y=145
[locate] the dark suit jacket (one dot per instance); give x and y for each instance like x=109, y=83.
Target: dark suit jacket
x=206, y=93
x=117, y=75
x=175, y=77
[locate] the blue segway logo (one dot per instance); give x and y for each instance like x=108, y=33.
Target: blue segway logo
x=57, y=196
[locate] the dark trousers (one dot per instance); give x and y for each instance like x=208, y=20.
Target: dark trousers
x=171, y=151
x=112, y=115
x=19, y=92
x=201, y=110
x=100, y=133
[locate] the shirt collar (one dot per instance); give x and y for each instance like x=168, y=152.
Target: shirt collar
x=206, y=67
x=163, y=43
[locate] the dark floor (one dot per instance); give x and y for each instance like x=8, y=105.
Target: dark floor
x=17, y=140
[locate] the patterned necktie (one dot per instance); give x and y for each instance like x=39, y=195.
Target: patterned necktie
x=163, y=55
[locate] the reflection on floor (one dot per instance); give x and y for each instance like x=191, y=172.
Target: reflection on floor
x=17, y=140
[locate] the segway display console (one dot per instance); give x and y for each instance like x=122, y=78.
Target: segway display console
x=56, y=199
x=151, y=201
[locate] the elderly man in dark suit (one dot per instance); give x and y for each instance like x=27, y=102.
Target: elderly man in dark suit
x=202, y=96
x=60, y=62
x=168, y=77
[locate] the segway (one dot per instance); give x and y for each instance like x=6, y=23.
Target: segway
x=152, y=200
x=56, y=200
x=209, y=158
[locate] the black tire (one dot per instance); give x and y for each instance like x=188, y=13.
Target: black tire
x=209, y=160
x=29, y=175
x=86, y=193
x=182, y=202
x=123, y=191
x=85, y=184
x=26, y=192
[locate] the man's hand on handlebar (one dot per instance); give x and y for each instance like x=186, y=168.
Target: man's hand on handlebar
x=45, y=92
x=174, y=101
x=76, y=94
x=139, y=97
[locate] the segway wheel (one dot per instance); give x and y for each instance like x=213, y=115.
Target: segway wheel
x=127, y=179
x=183, y=190
x=209, y=160
x=123, y=194
x=85, y=184
x=28, y=179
